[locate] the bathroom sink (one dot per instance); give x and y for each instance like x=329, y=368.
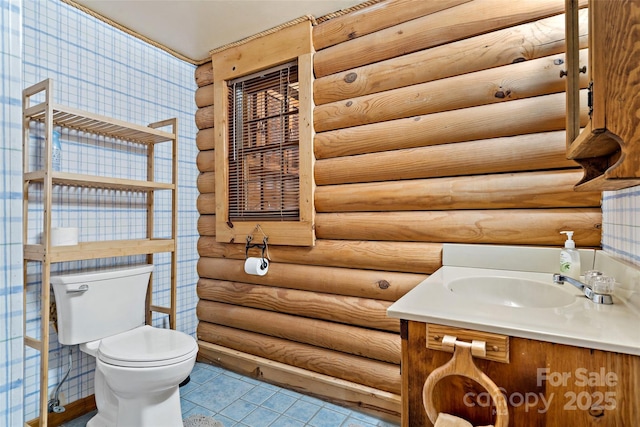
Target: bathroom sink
x=511, y=292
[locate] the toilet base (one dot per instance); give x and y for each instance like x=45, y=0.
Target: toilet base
x=136, y=407
x=99, y=420
x=161, y=414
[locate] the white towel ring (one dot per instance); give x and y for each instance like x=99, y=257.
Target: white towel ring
x=462, y=364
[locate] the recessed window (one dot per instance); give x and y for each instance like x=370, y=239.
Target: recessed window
x=263, y=152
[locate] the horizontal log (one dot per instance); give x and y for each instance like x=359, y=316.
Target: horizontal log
x=365, y=312
x=509, y=227
x=377, y=345
x=454, y=192
x=205, y=139
x=522, y=116
x=536, y=151
x=206, y=204
x=460, y=22
x=409, y=257
x=381, y=404
x=380, y=375
x=382, y=285
x=207, y=225
x=374, y=18
x=204, y=96
x=514, y=81
x=206, y=161
x=206, y=182
x=524, y=42
x=204, y=74
x=547, y=189
x=204, y=117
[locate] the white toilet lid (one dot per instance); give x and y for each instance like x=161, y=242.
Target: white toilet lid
x=147, y=346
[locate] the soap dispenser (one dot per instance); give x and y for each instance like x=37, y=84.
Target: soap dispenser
x=570, y=257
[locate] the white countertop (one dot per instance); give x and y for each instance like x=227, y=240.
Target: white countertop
x=579, y=323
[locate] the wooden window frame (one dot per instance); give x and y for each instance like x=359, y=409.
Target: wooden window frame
x=288, y=44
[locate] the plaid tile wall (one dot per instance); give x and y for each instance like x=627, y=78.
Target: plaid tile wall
x=99, y=69
x=11, y=341
x=621, y=224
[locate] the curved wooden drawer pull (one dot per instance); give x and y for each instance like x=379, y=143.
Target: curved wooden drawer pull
x=462, y=364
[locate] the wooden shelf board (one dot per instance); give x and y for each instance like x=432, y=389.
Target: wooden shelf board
x=159, y=309
x=79, y=180
x=101, y=249
x=592, y=144
x=33, y=343
x=33, y=252
x=100, y=125
x=603, y=184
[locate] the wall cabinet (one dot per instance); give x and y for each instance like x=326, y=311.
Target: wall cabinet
x=50, y=114
x=608, y=145
x=545, y=384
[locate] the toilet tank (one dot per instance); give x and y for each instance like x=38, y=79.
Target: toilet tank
x=96, y=304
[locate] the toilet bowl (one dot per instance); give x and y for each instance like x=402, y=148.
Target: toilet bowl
x=138, y=367
x=137, y=377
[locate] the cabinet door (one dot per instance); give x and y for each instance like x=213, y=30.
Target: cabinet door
x=546, y=385
x=616, y=85
x=608, y=147
x=572, y=58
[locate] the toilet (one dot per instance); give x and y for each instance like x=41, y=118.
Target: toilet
x=138, y=367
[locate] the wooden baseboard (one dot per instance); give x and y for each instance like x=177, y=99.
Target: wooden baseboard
x=72, y=411
x=379, y=403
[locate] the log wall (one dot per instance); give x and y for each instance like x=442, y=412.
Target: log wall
x=439, y=123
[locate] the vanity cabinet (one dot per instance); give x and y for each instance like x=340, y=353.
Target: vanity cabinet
x=42, y=187
x=545, y=384
x=608, y=145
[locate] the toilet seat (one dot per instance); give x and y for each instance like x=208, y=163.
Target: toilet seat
x=147, y=346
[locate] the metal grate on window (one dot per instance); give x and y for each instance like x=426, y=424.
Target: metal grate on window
x=264, y=146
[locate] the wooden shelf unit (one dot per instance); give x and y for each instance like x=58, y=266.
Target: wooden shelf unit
x=52, y=114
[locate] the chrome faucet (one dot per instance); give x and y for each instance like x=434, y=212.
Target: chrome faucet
x=597, y=298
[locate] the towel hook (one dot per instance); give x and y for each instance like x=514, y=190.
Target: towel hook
x=462, y=364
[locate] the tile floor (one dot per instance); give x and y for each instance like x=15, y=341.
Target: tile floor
x=239, y=401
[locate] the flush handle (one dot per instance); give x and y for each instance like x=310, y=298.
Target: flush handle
x=81, y=289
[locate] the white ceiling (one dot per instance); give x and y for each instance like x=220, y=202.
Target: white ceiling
x=194, y=27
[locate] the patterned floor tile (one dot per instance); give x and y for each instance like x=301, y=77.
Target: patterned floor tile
x=239, y=401
x=327, y=418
